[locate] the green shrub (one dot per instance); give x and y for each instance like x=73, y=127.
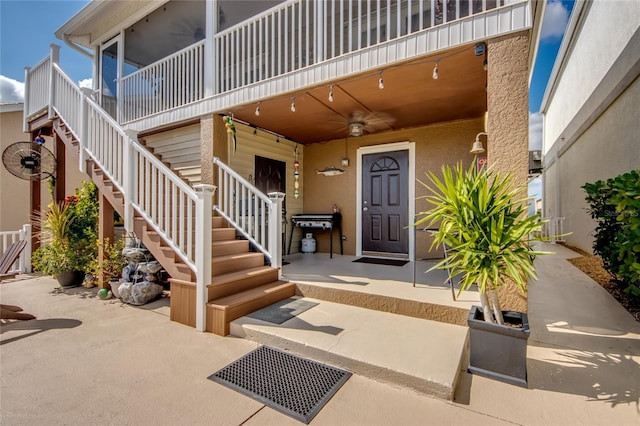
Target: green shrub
x=615, y=205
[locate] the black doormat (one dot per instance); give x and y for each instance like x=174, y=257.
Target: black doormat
x=282, y=311
x=378, y=261
x=294, y=386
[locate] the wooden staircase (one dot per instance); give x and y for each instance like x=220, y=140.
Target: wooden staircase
x=240, y=284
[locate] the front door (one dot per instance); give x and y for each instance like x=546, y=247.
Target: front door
x=270, y=175
x=385, y=202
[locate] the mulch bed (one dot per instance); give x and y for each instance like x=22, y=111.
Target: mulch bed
x=593, y=267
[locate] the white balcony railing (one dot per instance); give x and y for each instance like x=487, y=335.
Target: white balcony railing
x=299, y=33
x=290, y=36
x=168, y=83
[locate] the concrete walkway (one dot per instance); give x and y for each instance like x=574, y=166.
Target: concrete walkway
x=90, y=361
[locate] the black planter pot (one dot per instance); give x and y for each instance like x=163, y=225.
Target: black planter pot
x=499, y=351
x=70, y=278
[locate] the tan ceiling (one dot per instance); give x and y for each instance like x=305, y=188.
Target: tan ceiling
x=410, y=98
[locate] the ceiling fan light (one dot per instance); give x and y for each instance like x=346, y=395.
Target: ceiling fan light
x=356, y=129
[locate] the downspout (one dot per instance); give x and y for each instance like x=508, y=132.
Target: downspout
x=71, y=44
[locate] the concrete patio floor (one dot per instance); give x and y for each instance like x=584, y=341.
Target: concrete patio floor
x=91, y=361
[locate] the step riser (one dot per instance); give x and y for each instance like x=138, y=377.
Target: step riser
x=238, y=246
x=218, y=322
x=420, y=384
x=223, y=234
x=252, y=281
x=233, y=265
x=376, y=302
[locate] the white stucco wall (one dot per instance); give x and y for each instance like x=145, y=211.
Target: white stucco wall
x=597, y=44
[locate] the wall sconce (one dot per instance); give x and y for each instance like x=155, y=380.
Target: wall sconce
x=477, y=147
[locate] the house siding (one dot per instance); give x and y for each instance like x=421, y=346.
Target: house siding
x=242, y=161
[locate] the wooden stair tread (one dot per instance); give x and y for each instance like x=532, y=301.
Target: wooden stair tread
x=236, y=256
x=250, y=295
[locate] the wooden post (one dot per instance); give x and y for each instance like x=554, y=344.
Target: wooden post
x=105, y=230
x=61, y=166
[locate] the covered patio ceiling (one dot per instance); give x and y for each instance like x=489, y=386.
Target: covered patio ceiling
x=410, y=98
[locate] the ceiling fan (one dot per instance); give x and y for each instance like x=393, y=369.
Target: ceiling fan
x=361, y=122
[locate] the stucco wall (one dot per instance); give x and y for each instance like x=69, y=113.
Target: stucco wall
x=608, y=148
x=14, y=198
x=443, y=143
x=508, y=105
x=598, y=43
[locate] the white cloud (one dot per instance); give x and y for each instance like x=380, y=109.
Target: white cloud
x=535, y=130
x=87, y=82
x=555, y=20
x=11, y=90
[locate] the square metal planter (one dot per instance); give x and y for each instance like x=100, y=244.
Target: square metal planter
x=499, y=351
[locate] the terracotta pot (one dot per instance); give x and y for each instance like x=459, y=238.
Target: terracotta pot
x=70, y=278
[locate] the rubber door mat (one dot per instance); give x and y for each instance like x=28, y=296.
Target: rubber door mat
x=295, y=386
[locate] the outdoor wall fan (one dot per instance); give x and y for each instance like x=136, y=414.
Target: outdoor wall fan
x=29, y=161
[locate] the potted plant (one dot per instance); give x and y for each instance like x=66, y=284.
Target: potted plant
x=68, y=235
x=109, y=270
x=483, y=221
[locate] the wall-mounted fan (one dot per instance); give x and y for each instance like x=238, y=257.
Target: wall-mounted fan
x=29, y=161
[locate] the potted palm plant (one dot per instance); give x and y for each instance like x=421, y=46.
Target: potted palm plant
x=483, y=221
x=68, y=237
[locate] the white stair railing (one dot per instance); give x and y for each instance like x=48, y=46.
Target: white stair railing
x=257, y=216
x=179, y=214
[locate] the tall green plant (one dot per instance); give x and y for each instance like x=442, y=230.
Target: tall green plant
x=482, y=219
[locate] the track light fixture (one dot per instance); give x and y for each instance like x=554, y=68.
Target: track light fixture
x=293, y=104
x=258, y=109
x=380, y=81
x=331, y=93
x=435, y=69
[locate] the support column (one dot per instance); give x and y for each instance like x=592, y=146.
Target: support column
x=61, y=167
x=206, y=150
x=203, y=251
x=105, y=230
x=508, y=122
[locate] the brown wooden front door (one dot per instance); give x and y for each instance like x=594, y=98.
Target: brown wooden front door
x=385, y=202
x=270, y=175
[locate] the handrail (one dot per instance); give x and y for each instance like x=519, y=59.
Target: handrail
x=254, y=214
x=157, y=193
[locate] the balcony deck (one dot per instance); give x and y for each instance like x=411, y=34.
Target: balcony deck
x=295, y=47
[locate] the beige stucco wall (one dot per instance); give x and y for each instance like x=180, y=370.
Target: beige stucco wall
x=508, y=123
x=607, y=149
x=443, y=143
x=508, y=105
x=14, y=192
